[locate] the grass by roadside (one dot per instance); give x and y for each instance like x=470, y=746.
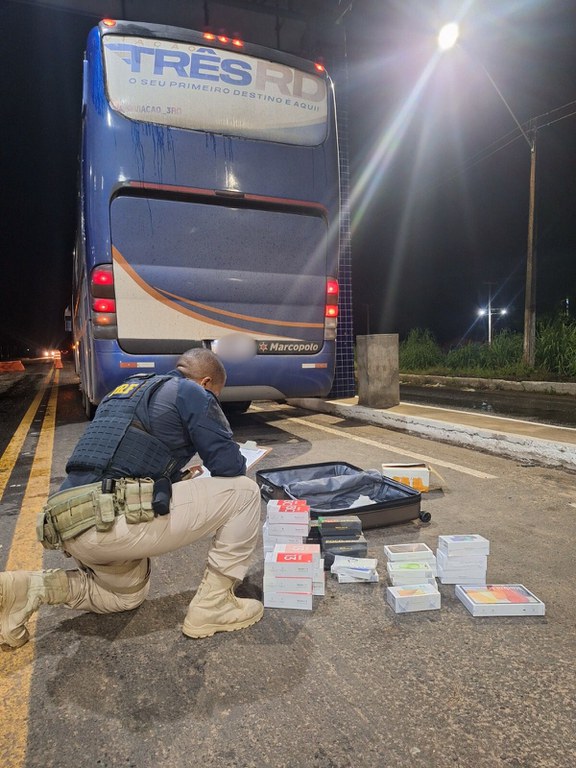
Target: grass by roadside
x=555, y=355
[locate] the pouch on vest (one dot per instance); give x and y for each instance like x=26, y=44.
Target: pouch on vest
x=138, y=500
x=104, y=512
x=46, y=533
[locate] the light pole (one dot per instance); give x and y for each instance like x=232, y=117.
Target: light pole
x=490, y=310
x=448, y=38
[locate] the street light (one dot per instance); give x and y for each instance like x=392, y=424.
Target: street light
x=491, y=311
x=447, y=38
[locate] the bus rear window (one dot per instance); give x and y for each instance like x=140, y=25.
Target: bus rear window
x=207, y=89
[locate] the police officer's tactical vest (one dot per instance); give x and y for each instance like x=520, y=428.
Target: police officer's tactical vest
x=117, y=444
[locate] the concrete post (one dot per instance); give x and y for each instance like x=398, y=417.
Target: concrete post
x=377, y=365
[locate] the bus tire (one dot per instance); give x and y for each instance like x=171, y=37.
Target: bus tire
x=241, y=406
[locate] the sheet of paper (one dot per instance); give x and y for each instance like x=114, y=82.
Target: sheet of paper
x=250, y=450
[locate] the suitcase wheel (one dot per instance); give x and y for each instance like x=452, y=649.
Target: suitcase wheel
x=425, y=517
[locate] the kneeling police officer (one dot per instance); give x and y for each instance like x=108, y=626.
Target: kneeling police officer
x=123, y=502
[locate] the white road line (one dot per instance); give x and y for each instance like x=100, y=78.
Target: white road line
x=384, y=447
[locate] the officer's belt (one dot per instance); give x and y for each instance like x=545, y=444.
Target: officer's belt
x=70, y=513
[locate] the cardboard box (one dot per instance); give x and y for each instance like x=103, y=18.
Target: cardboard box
x=290, y=564
x=280, y=511
x=419, y=597
x=300, y=530
x=417, y=476
x=313, y=549
x=410, y=552
x=298, y=600
x=344, y=546
x=287, y=584
x=343, y=525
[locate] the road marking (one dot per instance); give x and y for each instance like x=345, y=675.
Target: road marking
x=16, y=667
x=385, y=447
x=10, y=455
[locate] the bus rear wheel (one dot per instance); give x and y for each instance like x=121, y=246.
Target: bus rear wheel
x=241, y=406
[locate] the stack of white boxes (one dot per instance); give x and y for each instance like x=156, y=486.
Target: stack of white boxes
x=462, y=559
x=287, y=522
x=293, y=573
x=401, y=572
x=412, y=573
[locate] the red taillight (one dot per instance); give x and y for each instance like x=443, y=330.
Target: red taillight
x=102, y=277
x=109, y=22
x=104, y=305
x=331, y=287
x=331, y=310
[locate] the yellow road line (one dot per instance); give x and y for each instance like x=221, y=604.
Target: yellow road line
x=16, y=666
x=10, y=455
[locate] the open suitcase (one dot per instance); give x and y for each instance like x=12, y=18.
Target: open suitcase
x=340, y=489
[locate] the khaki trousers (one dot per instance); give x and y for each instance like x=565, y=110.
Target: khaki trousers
x=115, y=566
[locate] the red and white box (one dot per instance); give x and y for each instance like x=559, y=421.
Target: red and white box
x=313, y=549
x=290, y=564
x=282, y=511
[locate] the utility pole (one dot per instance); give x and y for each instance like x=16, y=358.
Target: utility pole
x=530, y=297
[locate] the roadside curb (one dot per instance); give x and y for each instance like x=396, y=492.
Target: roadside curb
x=514, y=446
x=461, y=382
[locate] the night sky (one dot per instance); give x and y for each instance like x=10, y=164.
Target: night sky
x=440, y=205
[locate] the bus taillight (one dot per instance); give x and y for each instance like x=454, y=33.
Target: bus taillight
x=103, y=302
x=332, y=287
x=102, y=282
x=331, y=309
x=104, y=305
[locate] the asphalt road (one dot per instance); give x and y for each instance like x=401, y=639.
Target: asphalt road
x=347, y=685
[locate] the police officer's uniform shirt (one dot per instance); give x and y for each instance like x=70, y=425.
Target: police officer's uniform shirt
x=188, y=419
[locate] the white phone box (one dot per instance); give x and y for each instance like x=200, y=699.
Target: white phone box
x=345, y=578
x=296, y=600
x=404, y=580
x=500, y=600
x=411, y=552
x=460, y=561
x=417, y=597
x=288, y=529
x=425, y=569
x=287, y=584
x=343, y=561
x=470, y=542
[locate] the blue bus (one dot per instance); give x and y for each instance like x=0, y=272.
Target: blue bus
x=208, y=213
